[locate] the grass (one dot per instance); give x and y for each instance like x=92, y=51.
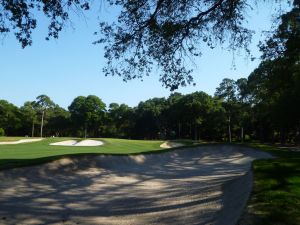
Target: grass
x=39, y=152
x=276, y=194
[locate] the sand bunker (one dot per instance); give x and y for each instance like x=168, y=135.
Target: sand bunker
x=170, y=144
x=201, y=185
x=65, y=143
x=85, y=143
x=21, y=141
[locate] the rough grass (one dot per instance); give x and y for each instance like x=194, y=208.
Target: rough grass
x=276, y=194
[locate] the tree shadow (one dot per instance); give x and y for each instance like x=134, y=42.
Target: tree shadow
x=192, y=186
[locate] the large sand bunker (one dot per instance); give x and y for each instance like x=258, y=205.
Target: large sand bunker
x=21, y=141
x=85, y=143
x=203, y=185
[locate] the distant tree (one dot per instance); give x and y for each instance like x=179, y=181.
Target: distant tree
x=10, y=118
x=175, y=114
x=43, y=103
x=197, y=108
x=121, y=120
x=87, y=112
x=59, y=122
x=150, y=122
x=227, y=92
x=29, y=113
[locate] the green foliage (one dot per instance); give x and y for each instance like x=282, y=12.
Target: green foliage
x=87, y=113
x=10, y=119
x=145, y=34
x=275, y=84
x=161, y=33
x=2, y=133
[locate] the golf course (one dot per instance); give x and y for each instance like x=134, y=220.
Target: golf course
x=149, y=112
x=124, y=182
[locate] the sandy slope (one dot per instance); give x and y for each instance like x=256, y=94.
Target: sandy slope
x=204, y=185
x=21, y=141
x=170, y=144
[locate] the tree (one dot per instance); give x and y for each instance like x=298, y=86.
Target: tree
x=43, y=103
x=29, y=113
x=58, y=122
x=87, y=113
x=275, y=84
x=175, y=114
x=227, y=92
x=10, y=118
x=150, y=122
x=121, y=120
x=19, y=16
x=148, y=33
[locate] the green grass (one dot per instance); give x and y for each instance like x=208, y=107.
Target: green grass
x=276, y=194
x=40, y=152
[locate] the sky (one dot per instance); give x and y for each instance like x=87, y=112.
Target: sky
x=72, y=66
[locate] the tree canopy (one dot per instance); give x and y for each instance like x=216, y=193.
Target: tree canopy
x=147, y=33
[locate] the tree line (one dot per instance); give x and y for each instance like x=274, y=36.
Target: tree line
x=240, y=110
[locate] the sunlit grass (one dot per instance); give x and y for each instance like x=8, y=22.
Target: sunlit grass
x=38, y=152
x=276, y=194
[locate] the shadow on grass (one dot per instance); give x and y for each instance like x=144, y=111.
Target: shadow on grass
x=276, y=194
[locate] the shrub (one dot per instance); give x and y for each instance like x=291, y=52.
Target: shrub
x=2, y=133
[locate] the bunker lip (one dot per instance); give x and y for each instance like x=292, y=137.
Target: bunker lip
x=171, y=144
x=84, y=143
x=21, y=141
x=201, y=185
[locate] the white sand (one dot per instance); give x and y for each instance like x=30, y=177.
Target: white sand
x=202, y=185
x=65, y=143
x=89, y=143
x=21, y=141
x=85, y=143
x=170, y=144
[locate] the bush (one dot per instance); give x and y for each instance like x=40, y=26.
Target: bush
x=2, y=133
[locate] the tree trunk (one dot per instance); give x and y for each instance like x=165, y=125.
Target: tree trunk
x=179, y=130
x=42, y=123
x=229, y=129
x=85, y=131
x=32, y=129
x=283, y=136
x=242, y=134
x=196, y=135
x=297, y=139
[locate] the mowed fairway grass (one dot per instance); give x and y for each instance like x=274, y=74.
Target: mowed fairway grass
x=40, y=152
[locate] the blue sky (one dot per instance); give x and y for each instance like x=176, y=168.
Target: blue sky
x=71, y=66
